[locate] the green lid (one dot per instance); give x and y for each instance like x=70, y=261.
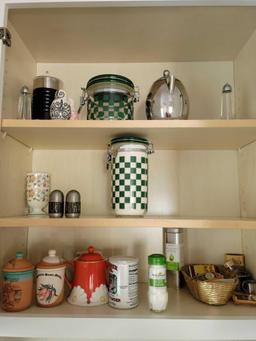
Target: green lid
x=156, y=259
x=135, y=139
x=19, y=254
x=110, y=78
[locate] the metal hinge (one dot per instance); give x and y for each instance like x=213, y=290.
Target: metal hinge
x=5, y=36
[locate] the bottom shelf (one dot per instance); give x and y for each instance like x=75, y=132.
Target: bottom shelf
x=185, y=319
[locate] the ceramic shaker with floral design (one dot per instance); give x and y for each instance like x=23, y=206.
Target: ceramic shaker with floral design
x=17, y=283
x=38, y=189
x=61, y=106
x=50, y=275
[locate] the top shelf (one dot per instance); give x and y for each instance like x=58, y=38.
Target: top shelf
x=165, y=135
x=134, y=34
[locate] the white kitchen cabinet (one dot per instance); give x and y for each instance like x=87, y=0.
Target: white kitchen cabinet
x=201, y=175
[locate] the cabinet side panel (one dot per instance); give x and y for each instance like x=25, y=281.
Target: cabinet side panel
x=244, y=71
x=247, y=168
x=20, y=69
x=15, y=162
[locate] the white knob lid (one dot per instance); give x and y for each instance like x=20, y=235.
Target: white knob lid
x=52, y=258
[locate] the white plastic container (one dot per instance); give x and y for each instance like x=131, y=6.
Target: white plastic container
x=123, y=282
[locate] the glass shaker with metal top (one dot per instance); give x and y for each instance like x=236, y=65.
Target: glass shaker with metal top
x=226, y=103
x=24, y=105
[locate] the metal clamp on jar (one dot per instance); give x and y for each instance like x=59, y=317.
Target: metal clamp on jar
x=109, y=97
x=167, y=99
x=128, y=157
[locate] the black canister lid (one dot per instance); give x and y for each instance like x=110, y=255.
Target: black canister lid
x=134, y=139
x=46, y=82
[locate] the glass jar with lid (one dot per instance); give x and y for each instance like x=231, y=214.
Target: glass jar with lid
x=109, y=97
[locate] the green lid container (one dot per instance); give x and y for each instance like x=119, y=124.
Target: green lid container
x=156, y=259
x=133, y=139
x=110, y=78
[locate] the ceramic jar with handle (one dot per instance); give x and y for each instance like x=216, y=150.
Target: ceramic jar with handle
x=50, y=276
x=89, y=287
x=17, y=283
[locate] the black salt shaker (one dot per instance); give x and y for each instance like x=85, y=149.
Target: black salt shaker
x=56, y=204
x=73, y=204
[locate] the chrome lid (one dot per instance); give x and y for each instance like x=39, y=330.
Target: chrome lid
x=46, y=82
x=227, y=88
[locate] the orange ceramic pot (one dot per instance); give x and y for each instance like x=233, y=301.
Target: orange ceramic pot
x=17, y=284
x=50, y=275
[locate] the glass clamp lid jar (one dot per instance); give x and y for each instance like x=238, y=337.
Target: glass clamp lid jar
x=167, y=99
x=109, y=97
x=128, y=157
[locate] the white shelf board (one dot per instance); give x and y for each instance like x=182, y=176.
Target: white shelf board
x=184, y=319
x=176, y=134
x=129, y=222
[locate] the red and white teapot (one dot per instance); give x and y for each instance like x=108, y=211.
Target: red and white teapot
x=89, y=287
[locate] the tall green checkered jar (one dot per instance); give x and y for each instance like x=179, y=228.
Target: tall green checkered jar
x=128, y=157
x=110, y=97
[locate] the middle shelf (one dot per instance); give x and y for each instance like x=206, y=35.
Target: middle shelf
x=172, y=134
x=130, y=222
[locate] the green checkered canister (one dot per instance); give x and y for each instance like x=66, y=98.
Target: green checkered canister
x=128, y=157
x=111, y=97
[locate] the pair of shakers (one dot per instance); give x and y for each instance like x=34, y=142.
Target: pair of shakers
x=72, y=204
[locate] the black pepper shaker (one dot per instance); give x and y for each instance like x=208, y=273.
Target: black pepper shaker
x=56, y=204
x=73, y=204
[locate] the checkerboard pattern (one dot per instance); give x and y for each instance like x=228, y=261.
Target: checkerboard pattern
x=110, y=106
x=130, y=182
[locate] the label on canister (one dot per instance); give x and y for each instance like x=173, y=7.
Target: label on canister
x=174, y=256
x=123, y=282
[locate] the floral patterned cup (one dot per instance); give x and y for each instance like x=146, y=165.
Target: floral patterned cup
x=38, y=189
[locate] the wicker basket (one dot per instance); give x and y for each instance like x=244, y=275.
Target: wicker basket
x=210, y=292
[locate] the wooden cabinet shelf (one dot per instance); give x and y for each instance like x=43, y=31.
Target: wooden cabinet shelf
x=130, y=222
x=190, y=134
x=204, y=322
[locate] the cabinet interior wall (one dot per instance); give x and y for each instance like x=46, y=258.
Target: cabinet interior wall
x=192, y=183
x=244, y=68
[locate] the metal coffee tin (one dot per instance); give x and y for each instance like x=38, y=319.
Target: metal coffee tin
x=123, y=282
x=174, y=252
x=73, y=204
x=46, y=82
x=56, y=204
